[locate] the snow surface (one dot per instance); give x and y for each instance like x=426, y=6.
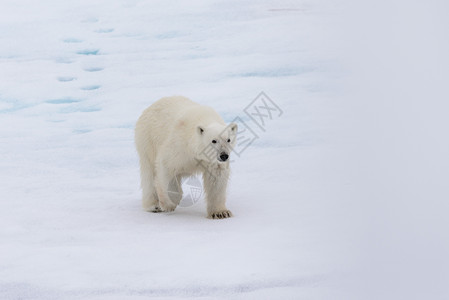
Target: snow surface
x=74, y=78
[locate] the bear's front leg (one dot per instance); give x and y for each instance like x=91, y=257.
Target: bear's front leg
x=215, y=184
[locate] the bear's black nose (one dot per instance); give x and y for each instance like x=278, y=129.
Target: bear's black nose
x=223, y=156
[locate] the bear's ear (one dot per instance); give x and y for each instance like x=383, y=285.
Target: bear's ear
x=200, y=130
x=233, y=127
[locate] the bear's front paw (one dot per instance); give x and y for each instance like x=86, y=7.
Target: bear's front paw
x=153, y=208
x=167, y=207
x=221, y=214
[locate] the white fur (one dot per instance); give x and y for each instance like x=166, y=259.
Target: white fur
x=171, y=136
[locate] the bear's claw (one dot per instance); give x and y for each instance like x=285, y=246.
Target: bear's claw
x=156, y=209
x=221, y=215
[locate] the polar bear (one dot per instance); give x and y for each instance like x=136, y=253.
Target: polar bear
x=175, y=138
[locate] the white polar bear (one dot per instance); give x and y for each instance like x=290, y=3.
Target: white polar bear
x=176, y=137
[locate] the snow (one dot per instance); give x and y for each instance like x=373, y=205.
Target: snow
x=75, y=78
x=307, y=223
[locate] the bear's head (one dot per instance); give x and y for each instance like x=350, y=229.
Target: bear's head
x=217, y=141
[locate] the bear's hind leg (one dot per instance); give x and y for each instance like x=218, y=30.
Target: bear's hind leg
x=150, y=201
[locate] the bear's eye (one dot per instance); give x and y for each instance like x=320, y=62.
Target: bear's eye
x=229, y=140
x=214, y=141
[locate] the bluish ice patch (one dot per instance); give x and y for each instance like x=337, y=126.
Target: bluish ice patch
x=81, y=131
x=104, y=30
x=90, y=20
x=93, y=69
x=10, y=106
x=88, y=52
x=63, y=60
x=168, y=35
x=275, y=72
x=9, y=56
x=63, y=101
x=72, y=40
x=126, y=126
x=136, y=35
x=90, y=87
x=74, y=109
x=89, y=109
x=66, y=78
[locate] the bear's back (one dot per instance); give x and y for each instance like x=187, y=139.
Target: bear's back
x=171, y=110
